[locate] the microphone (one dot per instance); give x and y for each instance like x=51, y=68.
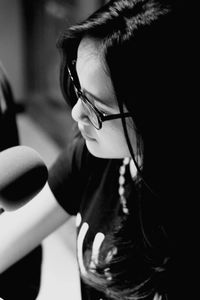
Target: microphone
x=23, y=174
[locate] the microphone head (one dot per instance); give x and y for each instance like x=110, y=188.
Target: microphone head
x=22, y=175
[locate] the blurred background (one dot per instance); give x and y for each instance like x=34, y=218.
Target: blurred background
x=28, y=33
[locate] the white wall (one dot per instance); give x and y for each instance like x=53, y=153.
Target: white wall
x=11, y=44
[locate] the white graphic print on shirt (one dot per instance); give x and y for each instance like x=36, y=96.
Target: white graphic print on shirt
x=97, y=242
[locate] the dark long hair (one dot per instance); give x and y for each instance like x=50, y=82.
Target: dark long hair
x=139, y=47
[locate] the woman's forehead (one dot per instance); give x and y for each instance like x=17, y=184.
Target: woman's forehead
x=89, y=45
x=91, y=69
x=89, y=52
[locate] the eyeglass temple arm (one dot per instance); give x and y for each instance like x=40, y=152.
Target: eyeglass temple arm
x=116, y=116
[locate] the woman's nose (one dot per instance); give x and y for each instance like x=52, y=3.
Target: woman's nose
x=78, y=112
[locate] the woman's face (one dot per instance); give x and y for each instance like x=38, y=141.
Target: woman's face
x=109, y=141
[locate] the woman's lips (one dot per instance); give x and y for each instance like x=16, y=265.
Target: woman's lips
x=86, y=136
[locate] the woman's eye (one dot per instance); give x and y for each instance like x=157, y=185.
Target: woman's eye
x=99, y=108
x=96, y=104
x=103, y=112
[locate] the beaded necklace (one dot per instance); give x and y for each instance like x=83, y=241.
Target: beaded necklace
x=121, y=190
x=127, y=162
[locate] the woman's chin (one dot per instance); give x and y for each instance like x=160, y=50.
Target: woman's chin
x=97, y=151
x=93, y=149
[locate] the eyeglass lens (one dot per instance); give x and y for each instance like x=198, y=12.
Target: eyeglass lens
x=88, y=109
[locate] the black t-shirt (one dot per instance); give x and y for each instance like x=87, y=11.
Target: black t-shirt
x=87, y=187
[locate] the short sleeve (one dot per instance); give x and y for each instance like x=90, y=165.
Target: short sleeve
x=68, y=175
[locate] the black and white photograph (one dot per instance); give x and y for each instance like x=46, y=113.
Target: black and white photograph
x=95, y=145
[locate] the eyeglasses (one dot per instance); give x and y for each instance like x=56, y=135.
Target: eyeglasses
x=95, y=116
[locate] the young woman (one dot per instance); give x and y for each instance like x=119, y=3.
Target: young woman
x=118, y=175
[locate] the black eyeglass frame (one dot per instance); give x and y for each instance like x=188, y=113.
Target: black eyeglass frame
x=101, y=117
